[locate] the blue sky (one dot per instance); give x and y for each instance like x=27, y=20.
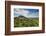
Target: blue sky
x=29, y=13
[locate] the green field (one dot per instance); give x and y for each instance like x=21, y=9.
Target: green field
x=26, y=22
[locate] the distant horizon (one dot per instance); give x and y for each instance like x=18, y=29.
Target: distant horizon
x=28, y=13
x=28, y=17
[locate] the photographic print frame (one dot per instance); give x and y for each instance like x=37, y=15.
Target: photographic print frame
x=8, y=17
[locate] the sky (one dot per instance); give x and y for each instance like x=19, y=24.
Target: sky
x=29, y=13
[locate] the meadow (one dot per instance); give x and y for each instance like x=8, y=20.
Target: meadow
x=22, y=21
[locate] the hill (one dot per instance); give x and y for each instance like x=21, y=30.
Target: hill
x=22, y=21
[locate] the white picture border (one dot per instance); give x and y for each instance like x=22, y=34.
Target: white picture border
x=25, y=28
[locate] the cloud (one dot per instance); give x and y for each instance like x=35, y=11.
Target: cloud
x=26, y=13
x=22, y=12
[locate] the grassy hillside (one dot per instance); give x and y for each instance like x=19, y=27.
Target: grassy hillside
x=26, y=22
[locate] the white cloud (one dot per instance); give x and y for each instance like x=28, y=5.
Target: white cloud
x=22, y=12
